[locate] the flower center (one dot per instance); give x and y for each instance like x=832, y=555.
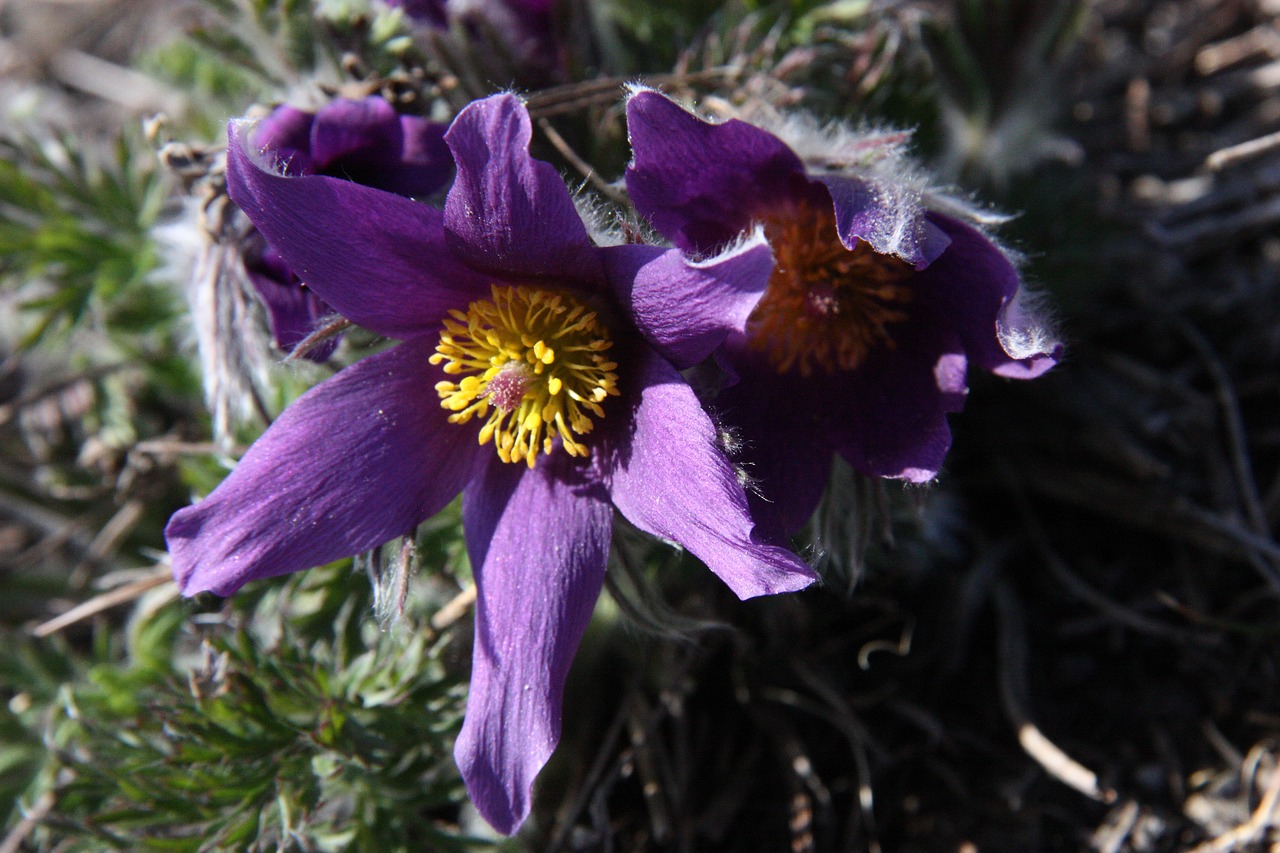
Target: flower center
x=533, y=364
x=826, y=306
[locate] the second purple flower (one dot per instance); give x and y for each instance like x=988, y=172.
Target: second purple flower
x=875, y=308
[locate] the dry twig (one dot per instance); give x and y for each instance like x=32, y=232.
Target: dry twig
x=453, y=610
x=1013, y=666
x=105, y=601
x=1253, y=830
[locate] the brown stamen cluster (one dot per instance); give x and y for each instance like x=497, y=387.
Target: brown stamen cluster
x=826, y=306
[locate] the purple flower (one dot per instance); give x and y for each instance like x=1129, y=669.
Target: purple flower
x=516, y=37
x=875, y=308
x=428, y=11
x=534, y=374
x=365, y=141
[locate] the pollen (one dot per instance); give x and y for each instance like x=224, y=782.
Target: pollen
x=826, y=307
x=532, y=364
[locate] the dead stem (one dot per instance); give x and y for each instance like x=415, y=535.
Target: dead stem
x=1175, y=516
x=105, y=601
x=1081, y=589
x=177, y=447
x=591, y=782
x=8, y=410
x=654, y=784
x=13, y=842
x=328, y=330
x=1259, y=41
x=1233, y=424
x=1013, y=693
x=587, y=171
x=129, y=516
x=1233, y=154
x=453, y=610
x=1255, y=829
x=604, y=91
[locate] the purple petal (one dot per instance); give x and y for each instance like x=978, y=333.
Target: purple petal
x=784, y=444
x=1031, y=348
x=674, y=482
x=285, y=136
x=686, y=308
x=888, y=218
x=508, y=212
x=977, y=289
x=360, y=459
x=295, y=312
x=378, y=259
x=538, y=541
x=345, y=130
x=888, y=417
x=367, y=142
x=702, y=184
x=425, y=160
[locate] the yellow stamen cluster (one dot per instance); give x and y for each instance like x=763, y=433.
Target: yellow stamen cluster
x=533, y=363
x=826, y=306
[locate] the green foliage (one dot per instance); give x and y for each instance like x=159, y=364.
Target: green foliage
x=265, y=38
x=300, y=725
x=651, y=33
x=255, y=51
x=860, y=62
x=221, y=88
x=75, y=236
x=986, y=49
x=996, y=63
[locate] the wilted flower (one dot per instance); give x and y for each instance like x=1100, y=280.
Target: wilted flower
x=366, y=141
x=877, y=304
x=534, y=375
